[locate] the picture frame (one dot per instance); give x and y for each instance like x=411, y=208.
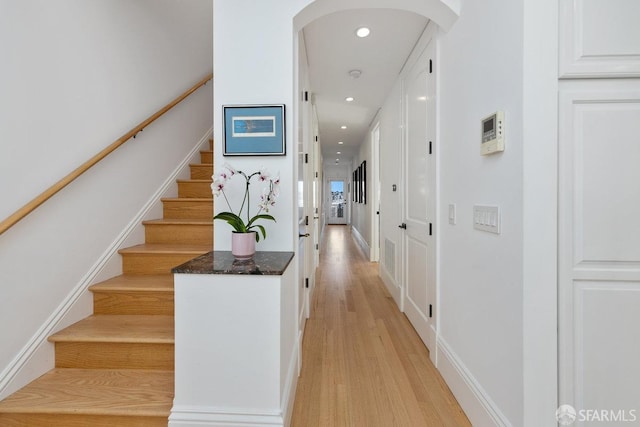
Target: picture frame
x=360, y=183
x=253, y=130
x=364, y=182
x=355, y=186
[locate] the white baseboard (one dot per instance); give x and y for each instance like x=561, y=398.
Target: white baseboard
x=361, y=242
x=211, y=416
x=477, y=405
x=19, y=372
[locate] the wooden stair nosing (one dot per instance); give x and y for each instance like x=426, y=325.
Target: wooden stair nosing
x=166, y=249
x=194, y=181
x=178, y=221
x=187, y=199
x=135, y=283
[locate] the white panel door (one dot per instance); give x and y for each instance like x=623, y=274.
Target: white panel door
x=419, y=243
x=599, y=38
x=599, y=246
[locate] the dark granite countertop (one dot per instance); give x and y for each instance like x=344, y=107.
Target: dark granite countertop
x=222, y=262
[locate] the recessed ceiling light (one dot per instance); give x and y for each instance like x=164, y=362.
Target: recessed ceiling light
x=338, y=152
x=340, y=142
x=349, y=98
x=363, y=32
x=343, y=127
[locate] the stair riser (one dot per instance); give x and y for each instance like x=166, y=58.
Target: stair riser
x=206, y=157
x=194, y=189
x=141, y=302
x=183, y=233
x=201, y=171
x=68, y=420
x=133, y=263
x=109, y=355
x=187, y=209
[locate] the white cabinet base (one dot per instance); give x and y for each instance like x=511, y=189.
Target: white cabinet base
x=236, y=351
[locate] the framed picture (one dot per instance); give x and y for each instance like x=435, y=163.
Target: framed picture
x=354, y=186
x=360, y=184
x=364, y=182
x=253, y=130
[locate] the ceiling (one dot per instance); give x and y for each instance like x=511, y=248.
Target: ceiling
x=333, y=49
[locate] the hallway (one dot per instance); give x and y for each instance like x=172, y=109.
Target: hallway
x=363, y=364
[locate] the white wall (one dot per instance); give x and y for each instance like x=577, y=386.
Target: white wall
x=481, y=297
x=262, y=74
x=76, y=76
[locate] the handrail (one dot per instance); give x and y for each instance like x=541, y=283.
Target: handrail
x=48, y=193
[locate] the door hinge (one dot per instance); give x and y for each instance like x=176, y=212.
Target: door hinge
x=430, y=310
x=306, y=158
x=306, y=282
x=316, y=174
x=430, y=66
x=430, y=147
x=317, y=247
x=316, y=138
x=430, y=229
x=306, y=220
x=306, y=95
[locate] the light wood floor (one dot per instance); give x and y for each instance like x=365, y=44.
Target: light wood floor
x=363, y=363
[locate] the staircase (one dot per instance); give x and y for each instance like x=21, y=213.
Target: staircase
x=115, y=368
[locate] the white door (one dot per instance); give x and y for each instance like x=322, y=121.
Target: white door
x=375, y=194
x=599, y=250
x=337, y=204
x=302, y=253
x=419, y=204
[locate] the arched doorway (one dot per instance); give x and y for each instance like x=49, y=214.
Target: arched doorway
x=444, y=15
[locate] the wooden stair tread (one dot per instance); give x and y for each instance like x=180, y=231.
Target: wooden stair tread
x=200, y=181
x=177, y=221
x=119, y=328
x=187, y=199
x=95, y=391
x=166, y=248
x=126, y=282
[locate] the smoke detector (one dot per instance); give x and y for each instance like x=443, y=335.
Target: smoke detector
x=355, y=74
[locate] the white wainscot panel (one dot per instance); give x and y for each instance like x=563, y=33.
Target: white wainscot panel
x=600, y=135
x=607, y=316
x=417, y=274
x=599, y=38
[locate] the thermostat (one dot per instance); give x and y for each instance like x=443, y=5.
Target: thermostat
x=492, y=134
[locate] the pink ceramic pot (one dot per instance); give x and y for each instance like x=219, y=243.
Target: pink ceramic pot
x=243, y=245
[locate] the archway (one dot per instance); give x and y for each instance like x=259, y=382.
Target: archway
x=442, y=12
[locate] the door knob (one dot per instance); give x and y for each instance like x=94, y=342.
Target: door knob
x=303, y=235
x=403, y=226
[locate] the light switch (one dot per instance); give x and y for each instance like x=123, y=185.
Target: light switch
x=485, y=218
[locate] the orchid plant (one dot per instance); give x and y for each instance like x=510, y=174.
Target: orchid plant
x=267, y=199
